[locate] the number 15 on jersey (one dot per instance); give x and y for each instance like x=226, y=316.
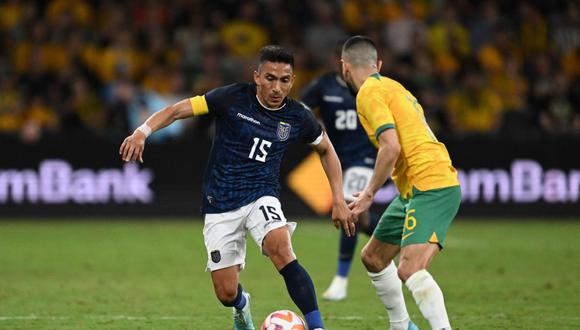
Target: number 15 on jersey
x=260, y=149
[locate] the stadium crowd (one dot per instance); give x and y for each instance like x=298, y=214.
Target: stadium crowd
x=478, y=67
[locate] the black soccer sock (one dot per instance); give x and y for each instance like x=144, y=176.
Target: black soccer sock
x=346, y=252
x=301, y=290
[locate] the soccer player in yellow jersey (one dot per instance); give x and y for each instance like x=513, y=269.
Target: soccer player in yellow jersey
x=415, y=223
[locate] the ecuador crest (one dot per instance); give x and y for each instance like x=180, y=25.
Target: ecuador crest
x=283, y=131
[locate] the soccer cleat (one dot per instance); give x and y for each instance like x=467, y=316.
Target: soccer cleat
x=412, y=326
x=243, y=317
x=337, y=289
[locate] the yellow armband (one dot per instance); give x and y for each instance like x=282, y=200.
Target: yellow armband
x=198, y=105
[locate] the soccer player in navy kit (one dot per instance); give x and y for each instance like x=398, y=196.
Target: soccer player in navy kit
x=335, y=105
x=255, y=123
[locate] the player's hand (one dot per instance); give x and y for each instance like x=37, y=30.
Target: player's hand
x=363, y=202
x=133, y=146
x=342, y=216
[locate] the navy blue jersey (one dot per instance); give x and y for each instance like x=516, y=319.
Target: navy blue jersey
x=248, y=146
x=337, y=109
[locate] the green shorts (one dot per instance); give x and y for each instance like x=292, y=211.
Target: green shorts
x=423, y=218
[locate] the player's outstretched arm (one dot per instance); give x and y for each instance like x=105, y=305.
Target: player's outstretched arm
x=389, y=149
x=132, y=147
x=341, y=215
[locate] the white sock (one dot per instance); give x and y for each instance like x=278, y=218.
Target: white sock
x=429, y=298
x=390, y=291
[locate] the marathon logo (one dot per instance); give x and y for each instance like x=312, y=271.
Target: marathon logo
x=55, y=182
x=248, y=118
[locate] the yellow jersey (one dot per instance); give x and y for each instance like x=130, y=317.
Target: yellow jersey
x=423, y=162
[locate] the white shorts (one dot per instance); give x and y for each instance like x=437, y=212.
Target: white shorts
x=355, y=179
x=225, y=233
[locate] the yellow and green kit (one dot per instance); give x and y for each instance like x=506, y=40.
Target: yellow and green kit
x=424, y=176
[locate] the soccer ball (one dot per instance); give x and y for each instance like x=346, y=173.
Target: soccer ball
x=283, y=320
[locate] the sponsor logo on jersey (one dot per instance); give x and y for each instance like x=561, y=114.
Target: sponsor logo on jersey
x=283, y=131
x=248, y=118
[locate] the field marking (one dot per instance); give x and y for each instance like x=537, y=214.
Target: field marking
x=104, y=318
x=33, y=317
x=145, y=318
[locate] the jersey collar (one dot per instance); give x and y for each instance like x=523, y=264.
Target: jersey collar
x=270, y=109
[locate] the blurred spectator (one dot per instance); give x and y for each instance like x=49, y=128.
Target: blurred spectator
x=11, y=13
x=473, y=107
x=559, y=115
x=533, y=30
x=509, y=84
x=87, y=106
x=566, y=32
x=448, y=41
x=244, y=36
x=11, y=107
x=323, y=34
x=404, y=33
x=38, y=119
x=484, y=26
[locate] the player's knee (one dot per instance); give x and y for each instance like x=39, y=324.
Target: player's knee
x=226, y=294
x=406, y=269
x=372, y=261
x=281, y=256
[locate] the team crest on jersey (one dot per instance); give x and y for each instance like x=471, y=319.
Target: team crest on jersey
x=216, y=256
x=283, y=131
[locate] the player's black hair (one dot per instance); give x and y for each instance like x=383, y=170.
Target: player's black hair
x=358, y=40
x=277, y=54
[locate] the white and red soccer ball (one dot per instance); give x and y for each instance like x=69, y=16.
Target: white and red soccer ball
x=283, y=320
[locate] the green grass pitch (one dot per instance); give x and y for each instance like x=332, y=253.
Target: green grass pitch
x=120, y=274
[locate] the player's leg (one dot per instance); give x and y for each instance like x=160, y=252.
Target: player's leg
x=339, y=285
x=429, y=214
x=347, y=245
x=355, y=180
x=227, y=288
x=271, y=232
x=225, y=244
x=298, y=282
x=377, y=256
x=368, y=222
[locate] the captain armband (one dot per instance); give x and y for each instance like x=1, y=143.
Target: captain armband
x=198, y=105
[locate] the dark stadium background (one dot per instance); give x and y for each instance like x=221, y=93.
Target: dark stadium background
x=499, y=82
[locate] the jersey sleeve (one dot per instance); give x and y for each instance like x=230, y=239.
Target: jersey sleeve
x=312, y=96
x=216, y=101
x=312, y=132
x=374, y=108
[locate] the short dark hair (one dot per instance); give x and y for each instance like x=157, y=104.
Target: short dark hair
x=275, y=53
x=359, y=50
x=356, y=40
